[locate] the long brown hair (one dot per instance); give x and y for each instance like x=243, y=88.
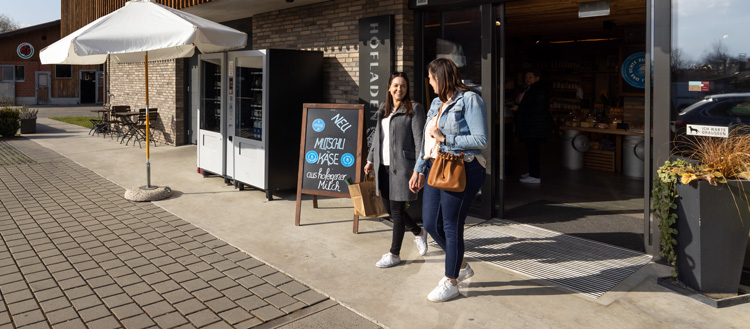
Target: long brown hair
x=448, y=78
x=406, y=101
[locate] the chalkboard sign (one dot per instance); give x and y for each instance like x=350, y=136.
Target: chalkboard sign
x=330, y=150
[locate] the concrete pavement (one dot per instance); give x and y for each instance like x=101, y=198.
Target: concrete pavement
x=325, y=256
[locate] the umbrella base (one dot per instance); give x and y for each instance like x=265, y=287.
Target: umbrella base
x=143, y=193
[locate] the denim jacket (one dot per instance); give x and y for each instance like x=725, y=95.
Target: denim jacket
x=464, y=124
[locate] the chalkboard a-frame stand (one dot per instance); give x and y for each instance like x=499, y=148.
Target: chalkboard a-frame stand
x=330, y=151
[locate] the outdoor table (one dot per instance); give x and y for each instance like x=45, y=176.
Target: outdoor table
x=126, y=118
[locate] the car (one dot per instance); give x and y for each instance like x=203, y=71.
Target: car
x=721, y=110
x=724, y=110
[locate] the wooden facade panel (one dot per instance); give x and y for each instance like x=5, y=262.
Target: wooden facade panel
x=68, y=87
x=38, y=39
x=77, y=13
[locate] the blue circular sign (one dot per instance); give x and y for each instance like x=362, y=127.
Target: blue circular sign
x=347, y=160
x=634, y=70
x=318, y=125
x=311, y=157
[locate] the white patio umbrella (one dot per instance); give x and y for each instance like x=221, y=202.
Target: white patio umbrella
x=139, y=31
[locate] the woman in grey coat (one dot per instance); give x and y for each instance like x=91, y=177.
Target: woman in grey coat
x=392, y=156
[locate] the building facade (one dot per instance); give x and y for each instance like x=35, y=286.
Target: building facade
x=25, y=81
x=614, y=65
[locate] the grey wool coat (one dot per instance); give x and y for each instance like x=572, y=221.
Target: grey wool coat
x=406, y=139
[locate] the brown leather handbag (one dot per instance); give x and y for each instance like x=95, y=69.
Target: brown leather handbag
x=447, y=172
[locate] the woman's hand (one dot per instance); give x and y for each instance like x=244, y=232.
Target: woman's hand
x=368, y=168
x=514, y=108
x=435, y=133
x=416, y=182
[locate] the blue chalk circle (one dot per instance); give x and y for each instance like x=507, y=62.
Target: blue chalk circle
x=318, y=125
x=311, y=157
x=347, y=160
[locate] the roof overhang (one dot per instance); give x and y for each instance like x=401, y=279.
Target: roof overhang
x=229, y=10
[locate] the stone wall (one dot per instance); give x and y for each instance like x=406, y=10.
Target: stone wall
x=332, y=27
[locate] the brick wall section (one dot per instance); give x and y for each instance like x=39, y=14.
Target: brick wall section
x=127, y=84
x=333, y=27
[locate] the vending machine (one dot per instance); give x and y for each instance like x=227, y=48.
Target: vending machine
x=211, y=114
x=264, y=93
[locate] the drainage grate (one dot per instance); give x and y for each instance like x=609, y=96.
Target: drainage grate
x=9, y=155
x=584, y=266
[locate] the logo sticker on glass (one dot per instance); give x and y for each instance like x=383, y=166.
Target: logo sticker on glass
x=347, y=160
x=311, y=157
x=318, y=125
x=634, y=70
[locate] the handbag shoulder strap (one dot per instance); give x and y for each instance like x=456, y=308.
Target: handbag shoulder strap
x=437, y=119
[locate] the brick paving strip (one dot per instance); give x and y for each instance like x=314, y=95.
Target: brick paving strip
x=74, y=253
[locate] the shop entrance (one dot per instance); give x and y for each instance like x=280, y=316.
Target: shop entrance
x=591, y=155
x=588, y=146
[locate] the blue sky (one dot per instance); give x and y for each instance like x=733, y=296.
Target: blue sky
x=31, y=12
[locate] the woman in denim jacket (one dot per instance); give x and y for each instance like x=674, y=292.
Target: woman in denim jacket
x=462, y=128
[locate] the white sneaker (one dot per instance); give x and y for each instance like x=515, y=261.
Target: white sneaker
x=388, y=260
x=531, y=180
x=465, y=273
x=525, y=175
x=421, y=242
x=444, y=291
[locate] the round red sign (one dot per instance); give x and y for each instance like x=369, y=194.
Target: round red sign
x=25, y=50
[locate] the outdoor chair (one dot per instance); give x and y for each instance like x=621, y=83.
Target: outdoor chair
x=113, y=125
x=97, y=124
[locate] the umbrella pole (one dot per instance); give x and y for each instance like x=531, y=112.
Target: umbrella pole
x=148, y=150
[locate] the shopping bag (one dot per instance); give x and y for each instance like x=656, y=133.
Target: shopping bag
x=366, y=202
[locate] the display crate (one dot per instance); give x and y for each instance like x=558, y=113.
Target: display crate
x=599, y=160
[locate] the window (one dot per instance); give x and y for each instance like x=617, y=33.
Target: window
x=20, y=73
x=63, y=71
x=6, y=73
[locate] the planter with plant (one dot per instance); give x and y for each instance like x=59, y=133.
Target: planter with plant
x=28, y=120
x=704, y=211
x=9, y=122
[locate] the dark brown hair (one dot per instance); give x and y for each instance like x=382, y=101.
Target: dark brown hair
x=448, y=78
x=406, y=101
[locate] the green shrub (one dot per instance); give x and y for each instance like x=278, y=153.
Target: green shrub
x=9, y=122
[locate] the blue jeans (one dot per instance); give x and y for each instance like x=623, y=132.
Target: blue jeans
x=444, y=214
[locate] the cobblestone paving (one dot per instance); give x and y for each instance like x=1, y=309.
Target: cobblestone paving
x=9, y=155
x=74, y=254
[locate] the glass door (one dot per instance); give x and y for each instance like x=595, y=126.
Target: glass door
x=457, y=34
x=211, y=150
x=247, y=104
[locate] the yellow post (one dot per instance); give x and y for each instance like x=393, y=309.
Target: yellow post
x=148, y=150
x=148, y=155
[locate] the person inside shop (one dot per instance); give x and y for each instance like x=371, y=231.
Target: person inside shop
x=392, y=157
x=533, y=122
x=456, y=123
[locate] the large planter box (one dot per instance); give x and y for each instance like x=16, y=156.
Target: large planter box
x=712, y=233
x=28, y=126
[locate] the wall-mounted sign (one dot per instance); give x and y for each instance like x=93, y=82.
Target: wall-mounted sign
x=375, y=49
x=634, y=70
x=25, y=50
x=710, y=131
x=593, y=8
